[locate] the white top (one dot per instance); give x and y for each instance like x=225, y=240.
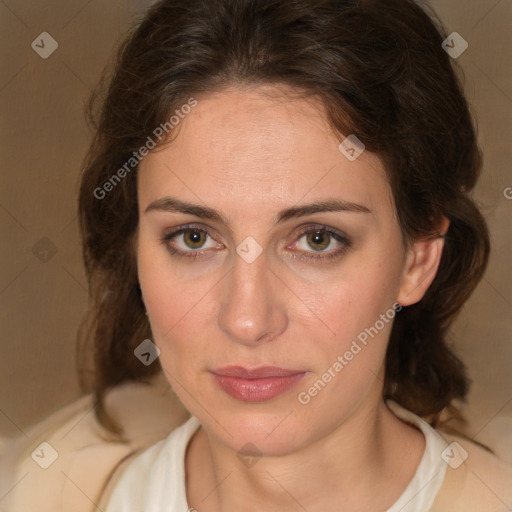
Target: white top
x=155, y=480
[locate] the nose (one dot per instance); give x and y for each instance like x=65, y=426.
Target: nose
x=251, y=310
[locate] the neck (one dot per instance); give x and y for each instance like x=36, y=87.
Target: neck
x=353, y=468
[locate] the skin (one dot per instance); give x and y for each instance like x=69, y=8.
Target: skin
x=249, y=154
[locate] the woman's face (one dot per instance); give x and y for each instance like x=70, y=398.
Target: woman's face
x=261, y=244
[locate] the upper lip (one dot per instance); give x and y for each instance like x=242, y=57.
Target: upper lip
x=255, y=373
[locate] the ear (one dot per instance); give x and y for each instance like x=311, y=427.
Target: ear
x=421, y=265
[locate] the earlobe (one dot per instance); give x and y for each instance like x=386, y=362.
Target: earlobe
x=421, y=266
x=143, y=301
x=141, y=295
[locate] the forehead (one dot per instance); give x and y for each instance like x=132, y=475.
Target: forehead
x=262, y=147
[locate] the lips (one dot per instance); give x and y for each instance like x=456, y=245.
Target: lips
x=258, y=384
x=256, y=373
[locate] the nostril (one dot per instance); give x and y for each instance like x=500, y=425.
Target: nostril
x=266, y=337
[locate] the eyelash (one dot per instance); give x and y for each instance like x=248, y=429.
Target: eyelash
x=343, y=239
x=193, y=254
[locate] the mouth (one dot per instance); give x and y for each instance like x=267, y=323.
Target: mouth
x=256, y=385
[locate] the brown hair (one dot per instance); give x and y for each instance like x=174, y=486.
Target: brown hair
x=380, y=71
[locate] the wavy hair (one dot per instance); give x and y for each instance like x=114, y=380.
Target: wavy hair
x=380, y=71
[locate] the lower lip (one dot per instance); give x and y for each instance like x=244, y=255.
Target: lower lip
x=256, y=390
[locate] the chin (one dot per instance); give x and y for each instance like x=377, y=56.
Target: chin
x=270, y=431
x=266, y=437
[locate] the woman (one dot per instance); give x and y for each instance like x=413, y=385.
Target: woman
x=275, y=215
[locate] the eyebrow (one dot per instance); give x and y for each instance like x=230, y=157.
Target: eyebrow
x=173, y=205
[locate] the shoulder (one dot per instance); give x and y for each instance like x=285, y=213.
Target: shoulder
x=127, y=487
x=156, y=474
x=476, y=480
x=66, y=461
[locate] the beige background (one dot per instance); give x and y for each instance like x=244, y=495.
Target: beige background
x=45, y=137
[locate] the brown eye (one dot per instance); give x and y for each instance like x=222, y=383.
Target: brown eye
x=319, y=243
x=194, y=239
x=318, y=240
x=191, y=241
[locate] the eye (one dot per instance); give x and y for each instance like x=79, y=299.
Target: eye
x=193, y=239
x=317, y=240
x=190, y=241
x=326, y=242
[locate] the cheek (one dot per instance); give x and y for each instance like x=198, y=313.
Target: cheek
x=357, y=307
x=355, y=297
x=178, y=309
x=350, y=362
x=342, y=305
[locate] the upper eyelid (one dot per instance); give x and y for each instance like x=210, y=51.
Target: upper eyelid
x=321, y=227
x=282, y=220
x=188, y=227
x=302, y=231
